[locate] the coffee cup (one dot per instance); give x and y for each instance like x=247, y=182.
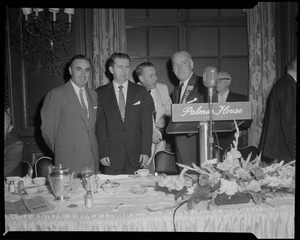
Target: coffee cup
x=142, y=173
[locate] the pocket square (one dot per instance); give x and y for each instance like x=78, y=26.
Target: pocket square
x=137, y=103
x=195, y=99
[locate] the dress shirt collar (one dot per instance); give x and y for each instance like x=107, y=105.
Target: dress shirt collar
x=223, y=97
x=185, y=83
x=76, y=88
x=116, y=86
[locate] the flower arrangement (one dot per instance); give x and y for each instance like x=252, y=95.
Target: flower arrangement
x=235, y=180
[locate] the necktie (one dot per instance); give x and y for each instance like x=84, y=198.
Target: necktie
x=180, y=90
x=122, y=102
x=153, y=105
x=83, y=103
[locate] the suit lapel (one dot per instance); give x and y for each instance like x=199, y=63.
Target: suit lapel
x=113, y=99
x=71, y=95
x=129, y=99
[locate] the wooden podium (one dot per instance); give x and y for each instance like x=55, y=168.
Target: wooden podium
x=194, y=118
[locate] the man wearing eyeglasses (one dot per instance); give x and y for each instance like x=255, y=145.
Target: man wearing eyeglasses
x=225, y=95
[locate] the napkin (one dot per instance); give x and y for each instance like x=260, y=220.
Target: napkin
x=115, y=177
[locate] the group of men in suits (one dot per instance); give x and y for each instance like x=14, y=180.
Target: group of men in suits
x=121, y=124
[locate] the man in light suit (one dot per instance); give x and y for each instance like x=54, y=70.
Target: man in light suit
x=68, y=120
x=190, y=90
x=162, y=107
x=124, y=121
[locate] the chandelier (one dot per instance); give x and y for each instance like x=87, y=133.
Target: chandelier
x=44, y=32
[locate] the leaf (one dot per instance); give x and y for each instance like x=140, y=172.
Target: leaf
x=256, y=197
x=182, y=193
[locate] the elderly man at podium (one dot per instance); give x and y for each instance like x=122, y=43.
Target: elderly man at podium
x=190, y=90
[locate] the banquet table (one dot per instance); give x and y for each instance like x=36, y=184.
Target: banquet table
x=152, y=211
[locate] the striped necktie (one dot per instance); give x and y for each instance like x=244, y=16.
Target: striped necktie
x=180, y=90
x=83, y=105
x=122, y=102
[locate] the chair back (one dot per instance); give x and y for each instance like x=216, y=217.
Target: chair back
x=27, y=169
x=41, y=166
x=165, y=162
x=245, y=152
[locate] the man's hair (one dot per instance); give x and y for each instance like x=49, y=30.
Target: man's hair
x=140, y=68
x=181, y=52
x=292, y=65
x=80, y=56
x=117, y=55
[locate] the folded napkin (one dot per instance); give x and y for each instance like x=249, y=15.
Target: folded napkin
x=33, y=205
x=107, y=176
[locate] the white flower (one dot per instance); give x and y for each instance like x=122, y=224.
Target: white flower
x=253, y=186
x=228, y=187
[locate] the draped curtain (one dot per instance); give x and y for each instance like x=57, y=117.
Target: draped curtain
x=109, y=36
x=262, y=63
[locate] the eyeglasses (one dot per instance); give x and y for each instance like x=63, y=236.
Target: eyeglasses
x=223, y=79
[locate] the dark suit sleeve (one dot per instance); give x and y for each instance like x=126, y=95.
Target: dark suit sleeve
x=147, y=124
x=101, y=129
x=287, y=103
x=13, y=157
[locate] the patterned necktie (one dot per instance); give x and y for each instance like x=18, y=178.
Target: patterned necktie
x=83, y=102
x=122, y=102
x=153, y=105
x=180, y=90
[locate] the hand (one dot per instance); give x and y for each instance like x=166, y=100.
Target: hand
x=144, y=160
x=160, y=122
x=105, y=161
x=156, y=138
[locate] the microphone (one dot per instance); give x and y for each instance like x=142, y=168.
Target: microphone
x=210, y=77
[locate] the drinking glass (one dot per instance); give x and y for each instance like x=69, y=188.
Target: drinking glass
x=87, y=176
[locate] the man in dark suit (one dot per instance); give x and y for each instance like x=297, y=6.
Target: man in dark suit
x=278, y=139
x=68, y=120
x=190, y=90
x=13, y=148
x=124, y=121
x=225, y=95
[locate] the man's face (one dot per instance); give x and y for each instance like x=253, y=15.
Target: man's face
x=223, y=83
x=148, y=78
x=80, y=70
x=182, y=66
x=120, y=70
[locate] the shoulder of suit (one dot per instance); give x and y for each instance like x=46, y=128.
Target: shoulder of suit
x=161, y=86
x=241, y=96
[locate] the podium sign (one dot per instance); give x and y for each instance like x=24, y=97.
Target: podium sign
x=220, y=111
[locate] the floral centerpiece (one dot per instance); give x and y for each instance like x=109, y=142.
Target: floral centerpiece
x=235, y=180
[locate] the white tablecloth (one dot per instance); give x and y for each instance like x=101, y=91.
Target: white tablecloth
x=264, y=221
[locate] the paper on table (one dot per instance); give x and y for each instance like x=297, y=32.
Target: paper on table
x=107, y=176
x=38, y=204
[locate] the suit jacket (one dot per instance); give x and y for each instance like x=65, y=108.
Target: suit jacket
x=13, y=154
x=133, y=136
x=278, y=139
x=187, y=146
x=66, y=129
x=225, y=138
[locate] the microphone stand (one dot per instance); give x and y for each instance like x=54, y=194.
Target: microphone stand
x=210, y=138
